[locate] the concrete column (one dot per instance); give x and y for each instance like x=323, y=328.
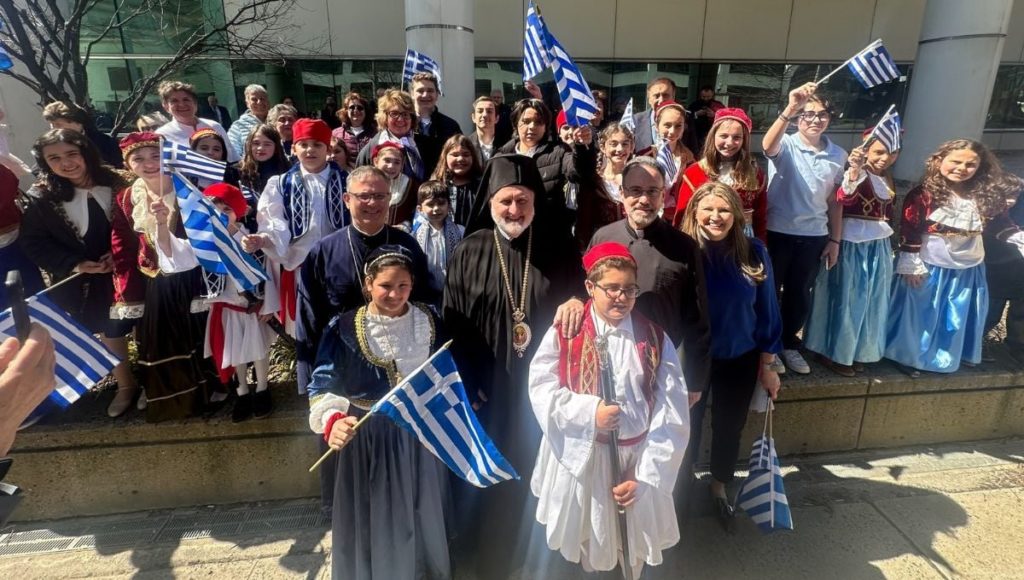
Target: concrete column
x=443, y=29
x=951, y=85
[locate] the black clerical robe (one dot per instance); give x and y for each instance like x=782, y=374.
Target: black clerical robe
x=670, y=273
x=331, y=283
x=478, y=316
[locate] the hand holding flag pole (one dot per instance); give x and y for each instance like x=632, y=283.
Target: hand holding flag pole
x=401, y=383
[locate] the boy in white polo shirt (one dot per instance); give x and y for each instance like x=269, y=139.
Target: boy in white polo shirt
x=804, y=220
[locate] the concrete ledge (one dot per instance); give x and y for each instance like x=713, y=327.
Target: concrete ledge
x=83, y=463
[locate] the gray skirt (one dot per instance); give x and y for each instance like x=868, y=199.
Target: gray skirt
x=392, y=506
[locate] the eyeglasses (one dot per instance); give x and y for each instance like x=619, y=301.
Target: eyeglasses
x=368, y=197
x=397, y=115
x=355, y=108
x=640, y=192
x=614, y=292
x=811, y=116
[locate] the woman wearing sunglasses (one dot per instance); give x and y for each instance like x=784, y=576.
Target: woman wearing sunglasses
x=357, y=127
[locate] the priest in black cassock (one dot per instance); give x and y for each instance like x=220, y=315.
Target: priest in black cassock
x=504, y=287
x=331, y=278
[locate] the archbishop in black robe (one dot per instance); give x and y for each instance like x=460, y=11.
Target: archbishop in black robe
x=478, y=316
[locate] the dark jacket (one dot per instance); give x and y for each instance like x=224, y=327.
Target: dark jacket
x=429, y=148
x=559, y=165
x=110, y=152
x=442, y=127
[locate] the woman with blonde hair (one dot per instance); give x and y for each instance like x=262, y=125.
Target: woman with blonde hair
x=746, y=328
x=396, y=119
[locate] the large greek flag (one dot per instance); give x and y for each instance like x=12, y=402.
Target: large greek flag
x=176, y=156
x=762, y=495
x=888, y=131
x=417, y=62
x=215, y=249
x=873, y=65
x=577, y=100
x=431, y=404
x=535, y=47
x=82, y=360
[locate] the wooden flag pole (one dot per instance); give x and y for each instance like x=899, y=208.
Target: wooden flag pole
x=400, y=384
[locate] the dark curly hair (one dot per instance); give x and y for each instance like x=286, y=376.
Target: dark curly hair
x=58, y=189
x=990, y=187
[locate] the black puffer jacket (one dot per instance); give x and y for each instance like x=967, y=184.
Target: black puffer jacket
x=559, y=165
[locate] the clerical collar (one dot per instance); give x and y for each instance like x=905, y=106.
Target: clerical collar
x=366, y=235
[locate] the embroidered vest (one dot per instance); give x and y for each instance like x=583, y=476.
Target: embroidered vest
x=866, y=205
x=580, y=371
x=298, y=206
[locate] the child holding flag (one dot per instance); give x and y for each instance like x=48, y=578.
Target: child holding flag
x=578, y=493
x=172, y=314
x=236, y=333
x=848, y=314
x=391, y=499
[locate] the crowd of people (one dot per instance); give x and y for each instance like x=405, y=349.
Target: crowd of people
x=541, y=246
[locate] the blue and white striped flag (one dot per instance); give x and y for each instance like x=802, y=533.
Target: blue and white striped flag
x=5, y=59
x=578, y=101
x=535, y=44
x=208, y=235
x=667, y=162
x=176, y=156
x=627, y=117
x=762, y=495
x=432, y=405
x=417, y=62
x=888, y=131
x=873, y=65
x=82, y=360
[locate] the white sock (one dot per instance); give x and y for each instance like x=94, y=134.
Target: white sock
x=262, y=367
x=243, y=384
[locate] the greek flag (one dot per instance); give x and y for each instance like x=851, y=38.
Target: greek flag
x=873, y=65
x=577, y=99
x=5, y=59
x=627, y=117
x=432, y=405
x=762, y=495
x=208, y=235
x=82, y=360
x=417, y=62
x=668, y=163
x=888, y=130
x=176, y=156
x=535, y=51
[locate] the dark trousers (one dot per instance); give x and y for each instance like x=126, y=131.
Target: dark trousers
x=731, y=387
x=795, y=263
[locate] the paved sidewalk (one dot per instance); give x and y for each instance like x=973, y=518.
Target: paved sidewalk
x=949, y=511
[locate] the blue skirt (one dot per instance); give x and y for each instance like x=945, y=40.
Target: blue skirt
x=851, y=304
x=933, y=327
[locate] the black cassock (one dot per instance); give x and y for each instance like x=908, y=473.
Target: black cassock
x=498, y=520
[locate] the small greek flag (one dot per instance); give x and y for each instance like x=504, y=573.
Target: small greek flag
x=417, y=62
x=888, y=131
x=667, y=162
x=577, y=99
x=208, y=235
x=432, y=405
x=82, y=360
x=627, y=117
x=176, y=156
x=5, y=59
x=873, y=65
x=535, y=49
x=762, y=495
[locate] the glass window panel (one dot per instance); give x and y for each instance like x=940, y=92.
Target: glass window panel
x=1006, y=110
x=150, y=33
